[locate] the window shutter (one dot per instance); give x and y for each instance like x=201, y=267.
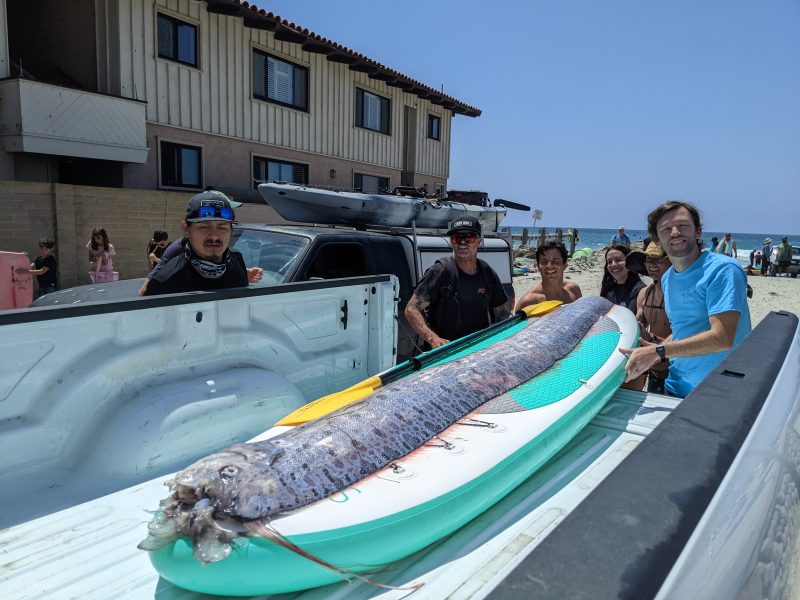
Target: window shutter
x=359, y=108
x=372, y=108
x=384, y=114
x=300, y=76
x=259, y=174
x=165, y=38
x=299, y=175
x=279, y=80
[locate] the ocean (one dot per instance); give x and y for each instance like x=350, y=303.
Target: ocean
x=600, y=238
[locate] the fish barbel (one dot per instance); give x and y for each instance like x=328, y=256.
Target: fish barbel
x=228, y=494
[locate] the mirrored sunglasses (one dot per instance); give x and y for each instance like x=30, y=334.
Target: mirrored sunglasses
x=209, y=211
x=470, y=238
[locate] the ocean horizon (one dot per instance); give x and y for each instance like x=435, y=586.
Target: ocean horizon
x=596, y=239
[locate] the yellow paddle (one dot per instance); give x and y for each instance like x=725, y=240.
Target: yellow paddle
x=327, y=404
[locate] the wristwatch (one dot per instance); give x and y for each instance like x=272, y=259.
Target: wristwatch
x=661, y=352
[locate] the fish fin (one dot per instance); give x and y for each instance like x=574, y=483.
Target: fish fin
x=152, y=543
x=266, y=530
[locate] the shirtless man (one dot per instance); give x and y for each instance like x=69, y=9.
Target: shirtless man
x=551, y=260
x=650, y=311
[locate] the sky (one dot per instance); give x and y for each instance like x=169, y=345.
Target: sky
x=596, y=111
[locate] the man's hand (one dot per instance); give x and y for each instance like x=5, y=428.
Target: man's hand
x=436, y=341
x=254, y=274
x=640, y=359
x=23, y=271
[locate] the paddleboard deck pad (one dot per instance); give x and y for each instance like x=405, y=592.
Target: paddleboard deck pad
x=421, y=496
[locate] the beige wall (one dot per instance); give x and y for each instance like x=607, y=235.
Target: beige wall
x=227, y=163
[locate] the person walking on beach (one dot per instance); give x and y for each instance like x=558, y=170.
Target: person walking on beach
x=784, y=257
x=620, y=240
x=650, y=311
x=705, y=296
x=206, y=263
x=551, y=261
x=727, y=247
x=457, y=295
x=766, y=255
x=45, y=267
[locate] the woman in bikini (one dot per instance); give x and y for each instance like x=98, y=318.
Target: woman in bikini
x=650, y=310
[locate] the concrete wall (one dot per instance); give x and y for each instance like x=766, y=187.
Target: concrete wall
x=68, y=214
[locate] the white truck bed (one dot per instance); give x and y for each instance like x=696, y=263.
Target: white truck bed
x=89, y=550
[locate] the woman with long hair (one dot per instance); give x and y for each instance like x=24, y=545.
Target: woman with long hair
x=620, y=285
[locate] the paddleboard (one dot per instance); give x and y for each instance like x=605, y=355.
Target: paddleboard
x=430, y=492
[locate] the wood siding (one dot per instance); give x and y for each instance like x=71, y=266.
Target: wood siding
x=216, y=97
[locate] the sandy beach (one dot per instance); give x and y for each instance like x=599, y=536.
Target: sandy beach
x=769, y=293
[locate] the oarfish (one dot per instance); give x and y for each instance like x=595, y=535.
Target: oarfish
x=228, y=494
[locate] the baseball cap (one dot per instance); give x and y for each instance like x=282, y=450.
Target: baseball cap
x=211, y=205
x=465, y=224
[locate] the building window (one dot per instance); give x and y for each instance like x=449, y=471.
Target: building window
x=265, y=169
x=370, y=184
x=372, y=111
x=181, y=166
x=278, y=81
x=177, y=40
x=434, y=127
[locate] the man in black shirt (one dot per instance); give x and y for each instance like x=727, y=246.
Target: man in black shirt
x=461, y=294
x=45, y=267
x=206, y=263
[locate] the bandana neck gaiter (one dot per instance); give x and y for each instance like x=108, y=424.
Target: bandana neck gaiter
x=206, y=268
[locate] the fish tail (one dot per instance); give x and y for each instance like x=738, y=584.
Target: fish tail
x=268, y=531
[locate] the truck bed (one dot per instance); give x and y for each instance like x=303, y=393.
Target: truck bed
x=89, y=550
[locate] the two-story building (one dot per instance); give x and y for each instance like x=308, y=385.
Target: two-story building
x=113, y=112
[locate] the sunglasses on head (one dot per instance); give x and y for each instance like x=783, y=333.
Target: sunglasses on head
x=469, y=237
x=221, y=212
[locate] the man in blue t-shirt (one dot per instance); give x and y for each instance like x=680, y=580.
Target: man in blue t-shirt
x=705, y=296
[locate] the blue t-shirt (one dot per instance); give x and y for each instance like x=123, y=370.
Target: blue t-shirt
x=621, y=240
x=714, y=284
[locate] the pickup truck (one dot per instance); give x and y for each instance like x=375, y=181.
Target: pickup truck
x=292, y=253
x=657, y=497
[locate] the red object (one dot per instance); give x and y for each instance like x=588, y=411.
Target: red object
x=16, y=289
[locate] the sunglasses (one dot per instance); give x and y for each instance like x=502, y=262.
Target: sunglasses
x=210, y=211
x=470, y=238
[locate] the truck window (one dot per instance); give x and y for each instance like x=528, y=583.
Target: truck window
x=336, y=260
x=276, y=253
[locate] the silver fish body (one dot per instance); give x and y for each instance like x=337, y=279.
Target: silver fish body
x=249, y=482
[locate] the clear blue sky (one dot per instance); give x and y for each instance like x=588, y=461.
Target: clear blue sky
x=597, y=111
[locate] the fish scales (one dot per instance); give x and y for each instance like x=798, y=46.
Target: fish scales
x=319, y=458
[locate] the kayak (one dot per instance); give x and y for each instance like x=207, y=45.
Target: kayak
x=306, y=204
x=433, y=490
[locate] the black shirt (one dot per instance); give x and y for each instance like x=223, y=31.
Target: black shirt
x=51, y=277
x=463, y=307
x=178, y=275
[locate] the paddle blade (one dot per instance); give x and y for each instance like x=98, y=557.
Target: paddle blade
x=327, y=404
x=542, y=308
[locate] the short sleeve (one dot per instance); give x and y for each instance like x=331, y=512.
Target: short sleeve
x=428, y=288
x=499, y=296
x=727, y=290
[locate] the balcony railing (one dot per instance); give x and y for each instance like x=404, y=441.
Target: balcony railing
x=49, y=119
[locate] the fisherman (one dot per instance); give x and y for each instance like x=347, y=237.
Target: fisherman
x=457, y=295
x=551, y=261
x=705, y=295
x=206, y=262
x=727, y=247
x=766, y=254
x=784, y=257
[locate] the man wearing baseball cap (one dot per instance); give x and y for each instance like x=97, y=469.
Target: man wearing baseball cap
x=459, y=294
x=206, y=262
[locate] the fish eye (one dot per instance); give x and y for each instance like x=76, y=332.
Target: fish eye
x=228, y=471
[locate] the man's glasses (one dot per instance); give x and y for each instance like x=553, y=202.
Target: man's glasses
x=457, y=238
x=209, y=211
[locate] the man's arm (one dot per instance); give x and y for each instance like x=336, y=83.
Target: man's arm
x=717, y=339
x=502, y=311
x=418, y=323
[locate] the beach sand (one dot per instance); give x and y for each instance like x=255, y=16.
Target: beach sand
x=769, y=293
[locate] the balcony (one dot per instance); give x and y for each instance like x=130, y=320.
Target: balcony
x=42, y=118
